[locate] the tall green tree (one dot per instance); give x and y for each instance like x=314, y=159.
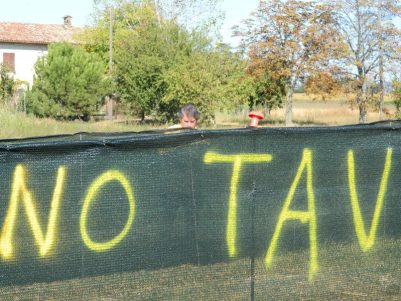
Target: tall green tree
x=144, y=51
x=293, y=38
x=159, y=64
x=69, y=83
x=213, y=80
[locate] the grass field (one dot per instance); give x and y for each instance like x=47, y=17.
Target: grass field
x=306, y=112
x=20, y=125
x=346, y=273
x=309, y=113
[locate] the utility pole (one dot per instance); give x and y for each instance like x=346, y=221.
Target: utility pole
x=109, y=99
x=111, y=41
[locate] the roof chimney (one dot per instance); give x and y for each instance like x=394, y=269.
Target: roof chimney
x=67, y=21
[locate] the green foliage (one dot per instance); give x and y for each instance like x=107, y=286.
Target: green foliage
x=158, y=64
x=142, y=54
x=212, y=81
x=7, y=84
x=267, y=92
x=69, y=84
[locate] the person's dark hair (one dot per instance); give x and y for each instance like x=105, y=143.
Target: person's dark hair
x=190, y=110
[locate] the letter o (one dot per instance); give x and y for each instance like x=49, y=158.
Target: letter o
x=111, y=175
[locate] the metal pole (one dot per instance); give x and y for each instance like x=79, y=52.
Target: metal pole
x=109, y=99
x=111, y=41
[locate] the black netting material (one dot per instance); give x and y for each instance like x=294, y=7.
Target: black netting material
x=264, y=201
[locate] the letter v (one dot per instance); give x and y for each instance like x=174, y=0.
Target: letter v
x=366, y=242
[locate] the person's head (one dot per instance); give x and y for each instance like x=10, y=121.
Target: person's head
x=188, y=116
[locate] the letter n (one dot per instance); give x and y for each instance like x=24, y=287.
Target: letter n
x=20, y=192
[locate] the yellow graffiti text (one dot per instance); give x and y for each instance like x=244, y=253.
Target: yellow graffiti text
x=111, y=175
x=366, y=242
x=19, y=191
x=237, y=160
x=304, y=216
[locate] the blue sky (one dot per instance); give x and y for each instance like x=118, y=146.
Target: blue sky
x=52, y=11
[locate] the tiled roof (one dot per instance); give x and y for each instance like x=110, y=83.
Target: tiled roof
x=27, y=33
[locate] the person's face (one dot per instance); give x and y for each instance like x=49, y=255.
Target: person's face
x=188, y=122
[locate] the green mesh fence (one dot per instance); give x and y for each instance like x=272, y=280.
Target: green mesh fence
x=207, y=215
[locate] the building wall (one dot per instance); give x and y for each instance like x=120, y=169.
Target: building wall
x=25, y=58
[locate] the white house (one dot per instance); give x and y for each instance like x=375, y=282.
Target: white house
x=21, y=44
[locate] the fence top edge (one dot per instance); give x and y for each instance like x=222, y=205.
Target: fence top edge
x=85, y=139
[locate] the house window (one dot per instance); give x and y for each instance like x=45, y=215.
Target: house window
x=9, y=61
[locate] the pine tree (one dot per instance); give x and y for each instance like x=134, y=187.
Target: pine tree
x=69, y=83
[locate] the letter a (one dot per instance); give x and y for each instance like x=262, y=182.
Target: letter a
x=304, y=216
